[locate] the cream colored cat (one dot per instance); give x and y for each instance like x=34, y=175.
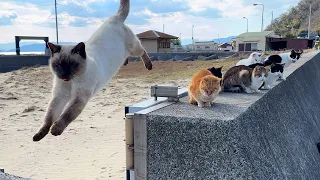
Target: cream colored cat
x=82, y=70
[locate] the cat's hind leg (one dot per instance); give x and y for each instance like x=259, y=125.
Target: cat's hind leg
x=59, y=99
x=192, y=100
x=137, y=50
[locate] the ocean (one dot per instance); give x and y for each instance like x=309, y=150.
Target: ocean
x=22, y=53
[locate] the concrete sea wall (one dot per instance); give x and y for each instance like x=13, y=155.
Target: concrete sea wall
x=270, y=135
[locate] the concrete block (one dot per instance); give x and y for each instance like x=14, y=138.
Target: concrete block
x=269, y=135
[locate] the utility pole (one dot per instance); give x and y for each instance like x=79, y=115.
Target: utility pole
x=192, y=38
x=309, y=26
x=272, y=20
x=55, y=4
x=163, y=28
x=247, y=24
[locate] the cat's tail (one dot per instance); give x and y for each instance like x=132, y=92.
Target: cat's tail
x=124, y=9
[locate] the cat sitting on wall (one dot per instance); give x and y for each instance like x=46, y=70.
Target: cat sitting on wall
x=243, y=78
x=82, y=70
x=204, y=88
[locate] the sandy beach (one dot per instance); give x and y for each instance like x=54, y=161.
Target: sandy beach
x=92, y=147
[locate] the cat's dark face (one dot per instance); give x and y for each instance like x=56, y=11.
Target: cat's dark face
x=277, y=68
x=295, y=55
x=67, y=61
x=216, y=71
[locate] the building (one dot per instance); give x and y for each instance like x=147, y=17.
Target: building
x=205, y=46
x=276, y=44
x=254, y=41
x=225, y=47
x=269, y=41
x=154, y=41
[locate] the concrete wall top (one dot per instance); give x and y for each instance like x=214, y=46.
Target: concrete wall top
x=227, y=106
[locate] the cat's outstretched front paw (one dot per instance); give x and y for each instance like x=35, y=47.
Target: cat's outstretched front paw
x=208, y=104
x=57, y=129
x=41, y=134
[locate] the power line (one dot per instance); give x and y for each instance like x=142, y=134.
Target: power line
x=55, y=5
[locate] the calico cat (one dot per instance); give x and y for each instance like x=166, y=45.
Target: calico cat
x=243, y=78
x=80, y=71
x=203, y=88
x=274, y=74
x=216, y=71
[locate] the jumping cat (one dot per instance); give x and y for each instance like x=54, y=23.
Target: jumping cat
x=274, y=74
x=216, y=71
x=284, y=58
x=80, y=71
x=203, y=88
x=243, y=78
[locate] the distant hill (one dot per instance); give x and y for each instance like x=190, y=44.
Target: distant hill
x=295, y=21
x=224, y=40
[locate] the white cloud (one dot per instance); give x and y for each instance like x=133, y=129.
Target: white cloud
x=228, y=8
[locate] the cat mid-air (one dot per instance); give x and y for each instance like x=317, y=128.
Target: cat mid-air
x=82, y=70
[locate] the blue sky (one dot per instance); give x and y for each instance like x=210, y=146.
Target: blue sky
x=77, y=20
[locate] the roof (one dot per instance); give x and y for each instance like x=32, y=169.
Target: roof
x=152, y=34
x=224, y=45
x=255, y=34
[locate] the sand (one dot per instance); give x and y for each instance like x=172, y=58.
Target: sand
x=92, y=147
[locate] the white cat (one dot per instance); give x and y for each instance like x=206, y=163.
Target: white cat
x=254, y=57
x=82, y=70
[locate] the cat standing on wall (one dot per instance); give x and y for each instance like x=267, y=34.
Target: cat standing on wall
x=283, y=58
x=82, y=70
x=275, y=72
x=203, y=88
x=243, y=78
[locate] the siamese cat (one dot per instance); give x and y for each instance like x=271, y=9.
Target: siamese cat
x=82, y=70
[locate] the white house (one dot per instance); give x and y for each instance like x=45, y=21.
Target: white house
x=254, y=41
x=205, y=46
x=225, y=47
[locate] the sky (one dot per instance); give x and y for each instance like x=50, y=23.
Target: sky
x=78, y=19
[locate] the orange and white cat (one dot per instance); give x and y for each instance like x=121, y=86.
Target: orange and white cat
x=203, y=88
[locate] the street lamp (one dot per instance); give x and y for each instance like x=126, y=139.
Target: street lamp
x=262, y=15
x=247, y=23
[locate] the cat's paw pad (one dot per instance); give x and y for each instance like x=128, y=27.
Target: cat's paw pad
x=57, y=129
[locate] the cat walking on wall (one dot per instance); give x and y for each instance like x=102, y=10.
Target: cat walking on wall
x=82, y=70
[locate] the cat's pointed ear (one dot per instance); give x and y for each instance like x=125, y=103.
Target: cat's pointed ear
x=53, y=48
x=220, y=68
x=80, y=49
